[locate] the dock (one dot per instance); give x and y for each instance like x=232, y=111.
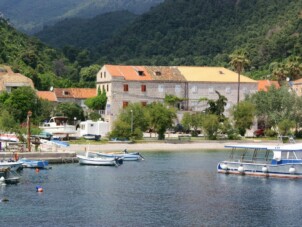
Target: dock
x=52, y=157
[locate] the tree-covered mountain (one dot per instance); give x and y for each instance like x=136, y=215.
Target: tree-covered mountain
x=45, y=66
x=85, y=33
x=206, y=32
x=31, y=15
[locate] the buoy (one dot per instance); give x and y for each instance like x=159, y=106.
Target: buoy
x=292, y=170
x=264, y=169
x=37, y=170
x=224, y=166
x=39, y=189
x=240, y=169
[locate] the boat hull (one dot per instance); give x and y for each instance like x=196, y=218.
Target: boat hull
x=41, y=164
x=124, y=156
x=261, y=170
x=83, y=160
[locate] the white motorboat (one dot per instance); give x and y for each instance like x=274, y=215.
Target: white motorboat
x=58, y=125
x=92, y=159
x=133, y=156
x=283, y=161
x=11, y=164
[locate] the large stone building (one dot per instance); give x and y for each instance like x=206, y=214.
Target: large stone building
x=146, y=84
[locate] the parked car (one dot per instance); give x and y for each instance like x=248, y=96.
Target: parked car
x=259, y=132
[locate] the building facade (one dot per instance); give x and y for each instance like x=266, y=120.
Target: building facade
x=147, y=84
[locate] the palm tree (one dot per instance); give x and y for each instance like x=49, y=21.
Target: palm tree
x=239, y=62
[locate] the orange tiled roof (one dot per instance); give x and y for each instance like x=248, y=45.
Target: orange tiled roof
x=76, y=93
x=263, y=85
x=83, y=93
x=47, y=95
x=129, y=72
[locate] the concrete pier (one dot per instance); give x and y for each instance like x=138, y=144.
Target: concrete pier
x=51, y=157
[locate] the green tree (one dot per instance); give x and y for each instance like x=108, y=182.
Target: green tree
x=20, y=101
x=285, y=127
x=239, y=62
x=274, y=105
x=243, y=114
x=131, y=122
x=98, y=102
x=210, y=126
x=192, y=121
x=70, y=110
x=88, y=74
x=161, y=118
x=216, y=106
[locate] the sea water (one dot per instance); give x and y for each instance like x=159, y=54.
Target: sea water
x=166, y=189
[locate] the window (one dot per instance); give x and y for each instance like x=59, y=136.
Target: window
x=125, y=104
x=157, y=73
x=177, y=88
x=140, y=73
x=143, y=88
x=194, y=89
x=107, y=87
x=65, y=92
x=161, y=88
x=211, y=90
x=101, y=75
x=228, y=90
x=104, y=74
x=126, y=87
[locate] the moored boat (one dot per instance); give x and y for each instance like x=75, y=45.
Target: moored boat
x=11, y=164
x=283, y=161
x=92, y=159
x=8, y=176
x=40, y=164
x=133, y=156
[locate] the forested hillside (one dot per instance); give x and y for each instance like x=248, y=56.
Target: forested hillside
x=31, y=15
x=85, y=33
x=205, y=32
x=45, y=66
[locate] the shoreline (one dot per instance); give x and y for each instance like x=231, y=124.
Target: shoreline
x=204, y=145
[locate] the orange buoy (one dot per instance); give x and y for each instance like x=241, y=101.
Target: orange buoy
x=37, y=170
x=40, y=189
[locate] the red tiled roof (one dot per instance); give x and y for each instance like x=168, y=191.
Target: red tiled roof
x=76, y=93
x=83, y=93
x=47, y=95
x=129, y=72
x=263, y=85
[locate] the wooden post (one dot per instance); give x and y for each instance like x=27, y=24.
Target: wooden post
x=29, y=113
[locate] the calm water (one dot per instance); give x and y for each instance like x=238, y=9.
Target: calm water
x=167, y=189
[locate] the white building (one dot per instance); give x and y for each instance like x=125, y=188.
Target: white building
x=146, y=84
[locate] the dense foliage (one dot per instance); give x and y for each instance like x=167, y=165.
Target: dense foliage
x=206, y=32
x=45, y=66
x=85, y=33
x=32, y=15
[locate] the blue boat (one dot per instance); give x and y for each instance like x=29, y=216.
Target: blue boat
x=283, y=161
x=40, y=164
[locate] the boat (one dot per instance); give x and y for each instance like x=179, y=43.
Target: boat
x=92, y=158
x=133, y=156
x=58, y=125
x=40, y=164
x=283, y=161
x=11, y=164
x=8, y=176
